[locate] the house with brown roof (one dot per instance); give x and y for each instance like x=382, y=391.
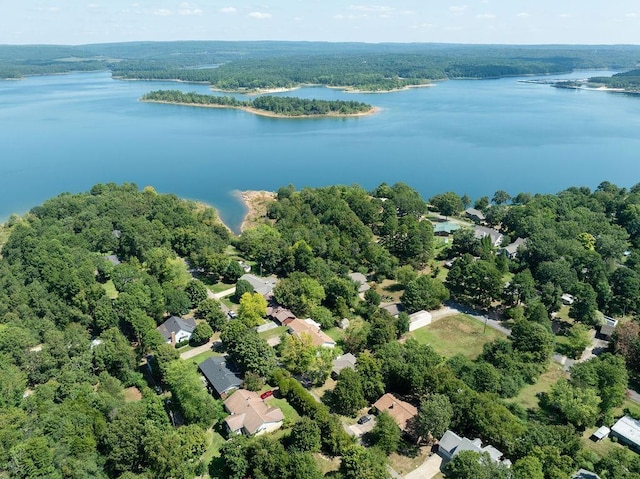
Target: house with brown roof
x=281, y=315
x=399, y=410
x=250, y=415
x=298, y=327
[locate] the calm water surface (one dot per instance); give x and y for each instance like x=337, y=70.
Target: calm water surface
x=68, y=132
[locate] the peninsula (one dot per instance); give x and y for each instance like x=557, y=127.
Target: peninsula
x=276, y=107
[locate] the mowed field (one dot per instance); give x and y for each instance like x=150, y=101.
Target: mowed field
x=457, y=334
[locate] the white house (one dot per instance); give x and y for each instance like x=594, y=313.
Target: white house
x=176, y=329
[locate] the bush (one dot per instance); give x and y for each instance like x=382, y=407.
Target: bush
x=181, y=344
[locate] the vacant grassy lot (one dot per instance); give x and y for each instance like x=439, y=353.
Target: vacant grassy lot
x=458, y=334
x=528, y=396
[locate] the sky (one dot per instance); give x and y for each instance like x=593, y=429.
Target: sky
x=75, y=22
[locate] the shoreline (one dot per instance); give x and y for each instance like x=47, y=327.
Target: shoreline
x=349, y=89
x=269, y=114
x=257, y=91
x=255, y=204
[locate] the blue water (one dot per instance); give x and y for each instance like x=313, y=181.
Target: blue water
x=68, y=132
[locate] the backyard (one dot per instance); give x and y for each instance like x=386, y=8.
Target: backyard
x=457, y=334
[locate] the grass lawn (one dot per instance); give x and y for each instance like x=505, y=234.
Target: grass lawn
x=458, y=334
x=601, y=448
x=327, y=464
x=290, y=414
x=110, y=289
x=214, y=443
x=335, y=333
x=202, y=356
x=410, y=460
x=219, y=287
x=390, y=291
x=527, y=397
x=274, y=333
x=132, y=394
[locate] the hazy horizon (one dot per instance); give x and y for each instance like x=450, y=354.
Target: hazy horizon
x=504, y=22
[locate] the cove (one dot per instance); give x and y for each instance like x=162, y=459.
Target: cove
x=67, y=132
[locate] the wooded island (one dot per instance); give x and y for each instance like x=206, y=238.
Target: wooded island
x=274, y=106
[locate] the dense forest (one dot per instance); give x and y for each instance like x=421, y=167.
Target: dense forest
x=278, y=106
x=255, y=65
x=91, y=389
x=629, y=81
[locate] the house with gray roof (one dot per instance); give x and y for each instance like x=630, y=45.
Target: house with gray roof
x=361, y=279
x=511, y=250
x=451, y=445
x=176, y=329
x=584, y=474
x=482, y=231
x=263, y=286
x=220, y=377
x=343, y=362
x=475, y=215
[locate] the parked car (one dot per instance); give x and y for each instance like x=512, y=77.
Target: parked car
x=266, y=394
x=232, y=314
x=364, y=419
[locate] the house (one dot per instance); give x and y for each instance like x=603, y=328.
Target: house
x=176, y=329
x=482, y=231
x=263, y=286
x=627, y=430
x=361, y=279
x=600, y=434
x=584, y=474
x=512, y=250
x=451, y=444
x=393, y=309
x=419, y=319
x=281, y=315
x=221, y=379
x=608, y=327
x=343, y=362
x=399, y=410
x=298, y=327
x=567, y=299
x=475, y=215
x=445, y=228
x=250, y=415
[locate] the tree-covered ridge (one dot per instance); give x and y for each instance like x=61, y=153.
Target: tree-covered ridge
x=251, y=65
x=629, y=81
x=279, y=106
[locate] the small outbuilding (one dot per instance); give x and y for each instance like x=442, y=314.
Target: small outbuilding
x=608, y=326
x=601, y=433
x=567, y=299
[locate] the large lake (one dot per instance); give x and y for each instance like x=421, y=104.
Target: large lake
x=68, y=132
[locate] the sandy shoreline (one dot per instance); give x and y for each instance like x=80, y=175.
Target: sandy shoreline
x=256, y=204
x=269, y=114
x=404, y=88
x=257, y=91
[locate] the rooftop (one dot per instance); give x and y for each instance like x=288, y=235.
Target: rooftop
x=628, y=428
x=263, y=286
x=361, y=279
x=219, y=375
x=250, y=412
x=176, y=324
x=399, y=410
x=342, y=362
x=318, y=337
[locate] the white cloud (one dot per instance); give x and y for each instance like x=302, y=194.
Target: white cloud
x=162, y=12
x=260, y=15
x=229, y=10
x=631, y=15
x=93, y=5
x=422, y=25
x=47, y=9
x=523, y=14
x=339, y=16
x=458, y=9
x=189, y=9
x=486, y=16
x=565, y=15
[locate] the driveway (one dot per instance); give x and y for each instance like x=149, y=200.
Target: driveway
x=427, y=470
x=200, y=349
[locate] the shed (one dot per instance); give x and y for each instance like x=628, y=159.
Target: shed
x=608, y=326
x=601, y=433
x=419, y=319
x=567, y=299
